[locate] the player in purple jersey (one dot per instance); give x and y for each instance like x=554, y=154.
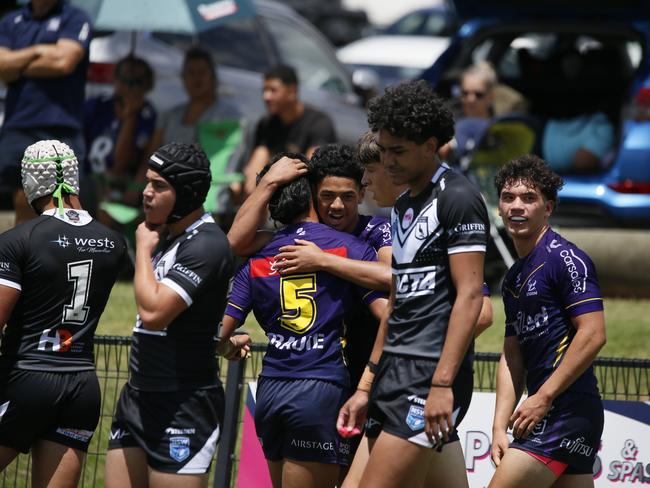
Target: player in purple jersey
x=169, y=414
x=555, y=327
x=303, y=370
x=56, y=274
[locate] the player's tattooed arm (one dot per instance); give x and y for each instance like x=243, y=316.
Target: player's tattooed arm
x=157, y=304
x=511, y=377
x=589, y=339
x=467, y=275
x=305, y=256
x=243, y=236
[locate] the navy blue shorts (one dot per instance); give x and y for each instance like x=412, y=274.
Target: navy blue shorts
x=399, y=393
x=570, y=432
x=296, y=419
x=13, y=143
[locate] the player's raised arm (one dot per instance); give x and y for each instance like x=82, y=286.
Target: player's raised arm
x=243, y=235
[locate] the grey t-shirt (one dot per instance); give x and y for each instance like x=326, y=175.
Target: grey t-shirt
x=171, y=122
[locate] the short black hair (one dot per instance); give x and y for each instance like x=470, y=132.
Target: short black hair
x=197, y=53
x=136, y=63
x=286, y=74
x=335, y=160
x=367, y=149
x=413, y=111
x=292, y=200
x=531, y=170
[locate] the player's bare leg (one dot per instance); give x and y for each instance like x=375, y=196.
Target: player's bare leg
x=158, y=479
x=396, y=462
x=7, y=455
x=519, y=468
x=126, y=468
x=300, y=474
x=55, y=465
x=574, y=481
x=447, y=468
x=353, y=477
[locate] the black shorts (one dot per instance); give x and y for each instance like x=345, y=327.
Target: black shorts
x=399, y=394
x=58, y=407
x=178, y=430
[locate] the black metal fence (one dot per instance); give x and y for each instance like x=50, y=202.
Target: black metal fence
x=619, y=379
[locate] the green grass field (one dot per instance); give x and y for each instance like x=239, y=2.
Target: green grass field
x=628, y=323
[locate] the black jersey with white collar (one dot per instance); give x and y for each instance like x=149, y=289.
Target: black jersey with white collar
x=197, y=265
x=447, y=217
x=64, y=266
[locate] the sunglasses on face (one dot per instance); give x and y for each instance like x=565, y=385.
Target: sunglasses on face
x=477, y=94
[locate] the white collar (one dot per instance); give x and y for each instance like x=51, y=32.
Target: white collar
x=205, y=218
x=70, y=216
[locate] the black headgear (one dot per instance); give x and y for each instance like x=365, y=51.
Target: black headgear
x=187, y=169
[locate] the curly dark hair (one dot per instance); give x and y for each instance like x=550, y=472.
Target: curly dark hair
x=413, y=111
x=335, y=160
x=531, y=170
x=290, y=201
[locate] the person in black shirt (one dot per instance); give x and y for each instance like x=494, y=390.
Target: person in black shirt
x=439, y=226
x=289, y=126
x=169, y=414
x=56, y=274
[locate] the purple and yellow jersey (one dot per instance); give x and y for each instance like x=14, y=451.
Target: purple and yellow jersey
x=302, y=314
x=541, y=293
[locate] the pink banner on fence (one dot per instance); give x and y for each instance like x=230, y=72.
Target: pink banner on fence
x=253, y=471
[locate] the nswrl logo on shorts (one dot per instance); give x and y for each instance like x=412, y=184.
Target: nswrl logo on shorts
x=179, y=448
x=415, y=417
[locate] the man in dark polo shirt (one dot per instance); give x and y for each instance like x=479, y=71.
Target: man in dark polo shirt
x=289, y=126
x=43, y=61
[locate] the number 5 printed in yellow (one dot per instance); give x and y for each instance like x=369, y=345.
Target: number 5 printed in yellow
x=298, y=306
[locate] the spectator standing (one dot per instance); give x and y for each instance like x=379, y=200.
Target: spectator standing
x=289, y=126
x=43, y=60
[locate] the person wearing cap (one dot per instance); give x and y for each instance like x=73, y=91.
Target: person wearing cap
x=56, y=274
x=169, y=414
x=43, y=60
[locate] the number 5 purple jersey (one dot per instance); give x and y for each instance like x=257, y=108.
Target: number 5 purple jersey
x=541, y=293
x=302, y=314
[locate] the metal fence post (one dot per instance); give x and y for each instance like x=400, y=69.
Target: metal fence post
x=228, y=441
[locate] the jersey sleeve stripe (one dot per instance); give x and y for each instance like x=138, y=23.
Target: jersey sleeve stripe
x=458, y=249
x=236, y=306
x=11, y=284
x=178, y=289
x=583, y=301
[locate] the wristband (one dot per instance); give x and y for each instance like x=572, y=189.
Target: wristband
x=438, y=385
x=365, y=383
x=372, y=367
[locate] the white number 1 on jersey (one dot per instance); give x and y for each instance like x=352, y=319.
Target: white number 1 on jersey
x=79, y=273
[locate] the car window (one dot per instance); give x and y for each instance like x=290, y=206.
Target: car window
x=237, y=44
x=308, y=56
x=437, y=24
x=408, y=25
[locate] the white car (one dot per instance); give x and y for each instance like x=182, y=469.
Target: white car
x=392, y=58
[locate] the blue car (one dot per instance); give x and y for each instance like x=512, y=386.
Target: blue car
x=527, y=43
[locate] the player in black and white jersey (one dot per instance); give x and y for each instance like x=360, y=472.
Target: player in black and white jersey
x=56, y=274
x=169, y=414
x=423, y=382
